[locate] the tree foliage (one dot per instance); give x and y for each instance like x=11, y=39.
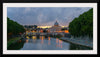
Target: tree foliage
x=83, y=25
x=64, y=29
x=13, y=27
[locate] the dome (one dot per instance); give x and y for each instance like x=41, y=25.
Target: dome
x=56, y=23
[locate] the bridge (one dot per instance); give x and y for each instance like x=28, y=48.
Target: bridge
x=30, y=34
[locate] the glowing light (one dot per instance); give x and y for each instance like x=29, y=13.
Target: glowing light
x=42, y=39
x=66, y=31
x=48, y=38
x=49, y=41
x=33, y=31
x=33, y=37
x=44, y=26
x=27, y=41
x=48, y=26
x=27, y=37
x=56, y=40
x=59, y=43
x=41, y=31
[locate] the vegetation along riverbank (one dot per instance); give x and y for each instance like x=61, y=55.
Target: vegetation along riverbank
x=14, y=31
x=80, y=27
x=12, y=40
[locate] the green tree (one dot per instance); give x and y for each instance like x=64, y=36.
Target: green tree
x=14, y=28
x=83, y=25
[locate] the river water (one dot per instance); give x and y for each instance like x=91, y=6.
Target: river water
x=43, y=43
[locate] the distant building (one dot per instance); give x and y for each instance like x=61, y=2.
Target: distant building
x=55, y=28
x=30, y=27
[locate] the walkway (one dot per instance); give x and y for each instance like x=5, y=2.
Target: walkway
x=84, y=42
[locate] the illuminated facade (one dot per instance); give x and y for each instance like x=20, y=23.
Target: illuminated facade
x=55, y=28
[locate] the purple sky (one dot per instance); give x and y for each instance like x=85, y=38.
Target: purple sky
x=44, y=15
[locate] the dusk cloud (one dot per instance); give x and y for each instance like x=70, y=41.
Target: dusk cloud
x=44, y=15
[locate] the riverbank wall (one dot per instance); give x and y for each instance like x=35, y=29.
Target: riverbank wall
x=79, y=41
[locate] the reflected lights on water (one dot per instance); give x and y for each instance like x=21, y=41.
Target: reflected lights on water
x=41, y=38
x=59, y=43
x=26, y=40
x=34, y=37
x=48, y=40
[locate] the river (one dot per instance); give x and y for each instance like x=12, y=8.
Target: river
x=43, y=43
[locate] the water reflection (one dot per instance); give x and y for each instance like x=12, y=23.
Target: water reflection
x=26, y=40
x=44, y=43
x=59, y=43
x=34, y=37
x=42, y=38
x=79, y=47
x=48, y=40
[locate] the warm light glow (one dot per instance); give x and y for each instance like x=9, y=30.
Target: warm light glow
x=44, y=26
x=42, y=37
x=66, y=31
x=41, y=31
x=56, y=40
x=27, y=41
x=64, y=26
x=48, y=30
x=27, y=37
x=41, y=41
x=33, y=31
x=33, y=37
x=26, y=31
x=58, y=43
x=59, y=31
x=48, y=42
x=48, y=38
x=49, y=26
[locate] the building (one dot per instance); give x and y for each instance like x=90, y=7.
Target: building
x=55, y=28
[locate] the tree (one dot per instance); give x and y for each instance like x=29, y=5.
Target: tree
x=35, y=26
x=83, y=25
x=13, y=28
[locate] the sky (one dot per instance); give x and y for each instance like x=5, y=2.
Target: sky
x=44, y=16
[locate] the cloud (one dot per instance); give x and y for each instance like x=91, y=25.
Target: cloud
x=44, y=15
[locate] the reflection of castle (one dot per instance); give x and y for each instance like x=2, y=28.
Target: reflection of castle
x=55, y=28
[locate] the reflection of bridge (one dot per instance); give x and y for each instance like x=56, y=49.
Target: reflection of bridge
x=34, y=34
x=43, y=34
